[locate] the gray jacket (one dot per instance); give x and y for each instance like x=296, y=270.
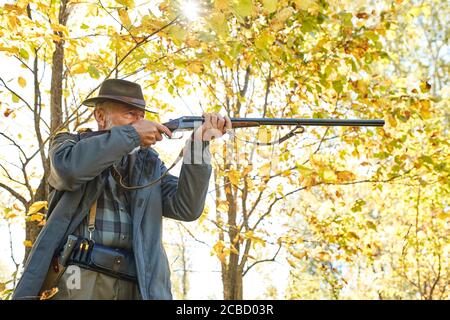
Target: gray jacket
x=77, y=174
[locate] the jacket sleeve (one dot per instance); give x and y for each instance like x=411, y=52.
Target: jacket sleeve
x=74, y=162
x=184, y=197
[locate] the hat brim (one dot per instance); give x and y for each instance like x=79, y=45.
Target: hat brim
x=91, y=102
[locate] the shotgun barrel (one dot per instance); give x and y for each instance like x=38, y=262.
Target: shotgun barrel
x=191, y=122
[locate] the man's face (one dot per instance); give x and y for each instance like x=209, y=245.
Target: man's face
x=118, y=115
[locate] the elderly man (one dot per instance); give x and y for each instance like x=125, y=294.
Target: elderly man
x=110, y=191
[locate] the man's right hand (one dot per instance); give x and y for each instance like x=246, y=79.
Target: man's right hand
x=150, y=132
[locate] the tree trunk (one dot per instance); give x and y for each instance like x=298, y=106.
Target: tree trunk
x=232, y=283
x=231, y=272
x=57, y=73
x=32, y=228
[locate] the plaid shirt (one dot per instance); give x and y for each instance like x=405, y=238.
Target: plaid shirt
x=113, y=222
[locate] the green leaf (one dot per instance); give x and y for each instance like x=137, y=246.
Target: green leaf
x=384, y=55
x=206, y=36
x=354, y=67
x=426, y=159
x=338, y=86
x=264, y=40
x=321, y=18
x=328, y=70
x=226, y=60
x=24, y=54
x=371, y=225
x=218, y=23
x=126, y=3
x=15, y=98
x=371, y=35
x=368, y=58
x=178, y=34
x=236, y=49
x=304, y=171
x=357, y=206
x=323, y=80
x=347, y=19
x=308, y=24
x=243, y=8
x=93, y=72
x=270, y=5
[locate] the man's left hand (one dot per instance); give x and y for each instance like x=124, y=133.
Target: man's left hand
x=214, y=126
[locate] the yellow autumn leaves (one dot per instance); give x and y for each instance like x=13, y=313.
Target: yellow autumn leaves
x=322, y=171
x=222, y=250
x=124, y=17
x=22, y=82
x=34, y=213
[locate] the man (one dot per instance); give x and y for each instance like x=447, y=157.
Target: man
x=101, y=217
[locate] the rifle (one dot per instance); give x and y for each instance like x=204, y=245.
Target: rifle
x=190, y=122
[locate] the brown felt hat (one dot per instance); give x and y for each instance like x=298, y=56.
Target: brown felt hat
x=118, y=90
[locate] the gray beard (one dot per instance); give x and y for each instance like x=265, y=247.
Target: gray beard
x=108, y=123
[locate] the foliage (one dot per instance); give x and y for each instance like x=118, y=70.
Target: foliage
x=358, y=212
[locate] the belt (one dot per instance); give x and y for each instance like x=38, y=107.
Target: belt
x=115, y=262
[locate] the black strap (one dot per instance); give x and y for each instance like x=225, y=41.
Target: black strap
x=119, y=179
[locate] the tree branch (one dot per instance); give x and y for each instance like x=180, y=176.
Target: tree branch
x=192, y=235
x=143, y=41
x=114, y=18
x=23, y=62
x=266, y=96
x=17, y=146
x=261, y=261
x=14, y=193
x=16, y=94
x=37, y=112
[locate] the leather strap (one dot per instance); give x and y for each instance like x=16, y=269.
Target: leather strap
x=119, y=179
x=92, y=214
